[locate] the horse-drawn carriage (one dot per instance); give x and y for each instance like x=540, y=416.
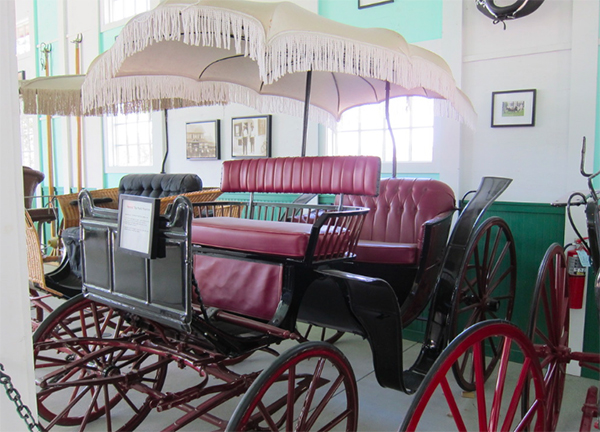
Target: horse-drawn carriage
x=216, y=282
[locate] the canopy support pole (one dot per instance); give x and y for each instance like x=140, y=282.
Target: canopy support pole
x=164, y=162
x=46, y=49
x=77, y=42
x=306, y=108
x=389, y=125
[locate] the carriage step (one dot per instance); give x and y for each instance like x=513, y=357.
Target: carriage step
x=412, y=380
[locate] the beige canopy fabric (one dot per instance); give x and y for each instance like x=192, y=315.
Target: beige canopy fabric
x=258, y=54
x=57, y=95
x=61, y=95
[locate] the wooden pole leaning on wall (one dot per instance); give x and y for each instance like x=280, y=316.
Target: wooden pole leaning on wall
x=77, y=41
x=46, y=49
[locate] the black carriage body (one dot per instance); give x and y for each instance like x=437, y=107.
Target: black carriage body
x=160, y=290
x=156, y=288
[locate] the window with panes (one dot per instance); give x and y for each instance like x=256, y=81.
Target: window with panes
x=364, y=131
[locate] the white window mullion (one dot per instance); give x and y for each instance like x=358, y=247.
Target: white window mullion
x=364, y=130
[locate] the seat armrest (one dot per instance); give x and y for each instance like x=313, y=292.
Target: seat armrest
x=432, y=245
x=205, y=195
x=334, y=235
x=436, y=226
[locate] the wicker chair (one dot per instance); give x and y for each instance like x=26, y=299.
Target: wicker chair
x=109, y=198
x=38, y=289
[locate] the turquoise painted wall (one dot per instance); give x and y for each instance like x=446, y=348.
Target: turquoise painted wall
x=107, y=38
x=112, y=180
x=402, y=16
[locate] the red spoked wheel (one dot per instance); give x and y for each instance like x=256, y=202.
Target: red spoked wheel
x=309, y=387
x=87, y=364
x=485, y=290
x=548, y=328
x=39, y=308
x=492, y=407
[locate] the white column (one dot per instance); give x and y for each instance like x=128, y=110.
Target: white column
x=15, y=324
x=582, y=122
x=449, y=130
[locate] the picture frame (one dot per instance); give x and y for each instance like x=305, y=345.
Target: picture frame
x=138, y=225
x=251, y=137
x=513, y=108
x=203, y=140
x=368, y=3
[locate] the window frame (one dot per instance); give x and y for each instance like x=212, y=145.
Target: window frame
x=20, y=23
x=105, y=26
x=405, y=167
x=157, y=144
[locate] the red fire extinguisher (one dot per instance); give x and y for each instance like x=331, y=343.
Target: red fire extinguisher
x=576, y=274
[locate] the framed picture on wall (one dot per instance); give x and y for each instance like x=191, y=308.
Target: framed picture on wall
x=513, y=108
x=202, y=140
x=251, y=136
x=369, y=3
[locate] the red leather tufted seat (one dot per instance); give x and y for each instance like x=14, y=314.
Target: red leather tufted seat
x=393, y=230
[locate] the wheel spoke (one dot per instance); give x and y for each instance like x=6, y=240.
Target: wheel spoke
x=516, y=397
x=498, y=261
x=107, y=409
x=479, y=382
x=456, y=415
x=497, y=282
x=291, y=397
x=500, y=383
x=306, y=406
x=67, y=409
x=324, y=401
x=267, y=417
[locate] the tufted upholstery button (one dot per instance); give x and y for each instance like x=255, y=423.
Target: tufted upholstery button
x=393, y=230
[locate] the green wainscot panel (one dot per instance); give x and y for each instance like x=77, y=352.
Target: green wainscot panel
x=258, y=197
x=534, y=228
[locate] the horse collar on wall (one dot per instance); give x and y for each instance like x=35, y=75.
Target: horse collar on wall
x=516, y=10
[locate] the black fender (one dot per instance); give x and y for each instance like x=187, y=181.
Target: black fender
x=518, y=9
x=374, y=305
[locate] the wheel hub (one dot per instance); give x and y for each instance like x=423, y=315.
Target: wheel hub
x=111, y=370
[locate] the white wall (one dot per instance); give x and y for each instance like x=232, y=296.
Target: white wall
x=16, y=352
x=286, y=138
x=534, y=52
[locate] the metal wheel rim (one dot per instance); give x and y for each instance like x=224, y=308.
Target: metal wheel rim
x=437, y=380
x=251, y=413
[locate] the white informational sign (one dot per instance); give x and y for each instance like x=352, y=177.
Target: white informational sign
x=137, y=224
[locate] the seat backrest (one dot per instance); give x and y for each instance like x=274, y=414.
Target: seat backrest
x=357, y=175
x=31, y=179
x=403, y=205
x=159, y=185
